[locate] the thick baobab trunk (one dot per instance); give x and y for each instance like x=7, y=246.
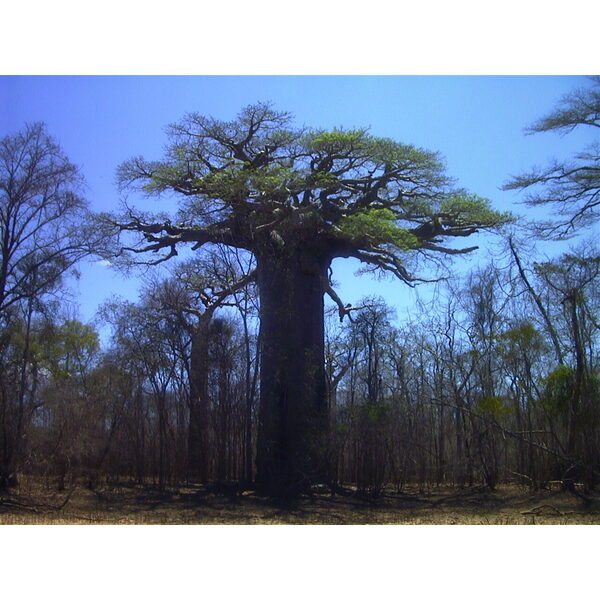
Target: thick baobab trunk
x=293, y=417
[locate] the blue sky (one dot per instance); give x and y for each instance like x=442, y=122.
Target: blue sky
x=476, y=122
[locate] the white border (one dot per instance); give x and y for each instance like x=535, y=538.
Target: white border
x=309, y=37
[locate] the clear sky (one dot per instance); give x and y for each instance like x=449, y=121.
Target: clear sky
x=476, y=122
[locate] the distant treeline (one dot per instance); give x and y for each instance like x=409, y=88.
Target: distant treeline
x=495, y=381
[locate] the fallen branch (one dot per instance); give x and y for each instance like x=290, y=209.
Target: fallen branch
x=37, y=508
x=15, y=504
x=538, y=509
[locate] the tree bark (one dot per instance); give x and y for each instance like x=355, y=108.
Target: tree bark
x=197, y=464
x=538, y=302
x=292, y=450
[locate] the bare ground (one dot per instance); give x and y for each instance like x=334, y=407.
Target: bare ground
x=37, y=504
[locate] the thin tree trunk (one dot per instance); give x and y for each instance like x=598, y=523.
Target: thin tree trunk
x=538, y=302
x=198, y=457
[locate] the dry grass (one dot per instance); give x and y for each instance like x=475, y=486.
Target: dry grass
x=35, y=504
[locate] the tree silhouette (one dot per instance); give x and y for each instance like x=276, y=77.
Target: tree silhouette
x=572, y=187
x=44, y=232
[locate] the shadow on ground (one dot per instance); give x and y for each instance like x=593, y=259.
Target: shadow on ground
x=35, y=503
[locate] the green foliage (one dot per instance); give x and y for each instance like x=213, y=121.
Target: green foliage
x=522, y=338
x=274, y=180
x=378, y=226
x=375, y=413
x=237, y=181
x=65, y=349
x=492, y=406
x=355, y=193
x=558, y=389
x=473, y=209
x=341, y=428
x=337, y=142
x=321, y=179
x=395, y=155
x=370, y=413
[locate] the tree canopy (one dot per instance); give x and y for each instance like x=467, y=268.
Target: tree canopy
x=258, y=181
x=42, y=215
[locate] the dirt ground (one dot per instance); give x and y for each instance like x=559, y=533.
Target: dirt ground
x=35, y=503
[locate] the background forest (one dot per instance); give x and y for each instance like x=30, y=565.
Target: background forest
x=493, y=378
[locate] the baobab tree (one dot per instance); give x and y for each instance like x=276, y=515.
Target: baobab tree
x=297, y=199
